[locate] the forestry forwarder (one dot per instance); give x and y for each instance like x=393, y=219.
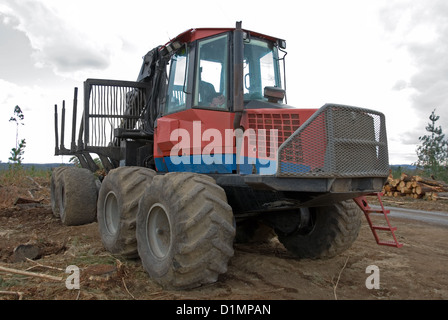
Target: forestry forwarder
x=201, y=150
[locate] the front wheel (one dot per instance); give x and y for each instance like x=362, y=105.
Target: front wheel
x=117, y=208
x=330, y=231
x=185, y=230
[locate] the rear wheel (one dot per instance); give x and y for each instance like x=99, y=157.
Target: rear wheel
x=328, y=232
x=185, y=230
x=118, y=200
x=76, y=193
x=54, y=190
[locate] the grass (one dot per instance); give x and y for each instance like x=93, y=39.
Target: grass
x=5, y=283
x=18, y=181
x=19, y=176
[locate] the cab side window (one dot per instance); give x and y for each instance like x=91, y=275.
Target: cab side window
x=260, y=68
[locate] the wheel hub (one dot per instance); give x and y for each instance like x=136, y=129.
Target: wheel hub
x=112, y=213
x=158, y=231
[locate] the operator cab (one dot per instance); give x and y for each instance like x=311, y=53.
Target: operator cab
x=201, y=72
x=219, y=81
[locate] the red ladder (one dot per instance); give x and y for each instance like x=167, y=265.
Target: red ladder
x=362, y=203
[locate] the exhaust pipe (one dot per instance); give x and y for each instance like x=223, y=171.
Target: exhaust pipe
x=238, y=73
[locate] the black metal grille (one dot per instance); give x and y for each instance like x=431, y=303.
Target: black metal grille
x=337, y=141
x=110, y=104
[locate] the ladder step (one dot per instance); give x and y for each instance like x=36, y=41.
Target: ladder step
x=390, y=244
x=364, y=206
x=385, y=228
x=377, y=211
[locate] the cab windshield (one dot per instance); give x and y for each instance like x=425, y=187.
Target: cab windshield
x=212, y=73
x=261, y=69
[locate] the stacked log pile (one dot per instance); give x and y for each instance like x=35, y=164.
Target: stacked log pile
x=415, y=186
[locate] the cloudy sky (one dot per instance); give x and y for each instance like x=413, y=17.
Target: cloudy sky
x=386, y=55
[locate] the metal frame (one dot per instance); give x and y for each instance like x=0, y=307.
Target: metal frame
x=330, y=168
x=109, y=155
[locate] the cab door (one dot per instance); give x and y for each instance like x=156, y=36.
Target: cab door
x=195, y=132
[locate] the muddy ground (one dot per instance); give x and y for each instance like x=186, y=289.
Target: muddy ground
x=265, y=271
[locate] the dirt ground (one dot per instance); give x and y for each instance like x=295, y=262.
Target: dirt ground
x=258, y=271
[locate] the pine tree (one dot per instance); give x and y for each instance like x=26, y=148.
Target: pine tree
x=433, y=151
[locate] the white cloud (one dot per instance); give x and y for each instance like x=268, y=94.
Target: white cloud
x=56, y=43
x=420, y=29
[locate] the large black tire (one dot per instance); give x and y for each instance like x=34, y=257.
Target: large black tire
x=332, y=230
x=118, y=200
x=77, y=194
x=185, y=230
x=54, y=190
